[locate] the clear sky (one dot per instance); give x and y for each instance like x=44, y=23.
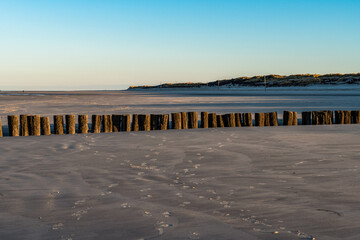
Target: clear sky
x=104, y=44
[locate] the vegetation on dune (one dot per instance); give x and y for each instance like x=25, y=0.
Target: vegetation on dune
x=271, y=81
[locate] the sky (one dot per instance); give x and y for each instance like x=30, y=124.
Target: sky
x=108, y=44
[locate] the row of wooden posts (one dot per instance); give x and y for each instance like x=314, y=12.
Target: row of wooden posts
x=33, y=125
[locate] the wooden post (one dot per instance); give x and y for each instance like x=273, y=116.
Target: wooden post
x=24, y=128
x=295, y=121
x=306, y=118
x=135, y=122
x=288, y=118
x=355, y=115
x=204, y=119
x=238, y=119
x=45, y=126
x=315, y=118
x=322, y=116
x=163, y=121
x=184, y=120
x=126, y=123
x=339, y=117
x=168, y=123
x=1, y=132
x=331, y=117
x=116, y=122
x=226, y=120
x=96, y=123
x=193, y=119
x=83, y=124
x=347, y=117
x=232, y=119
x=247, y=118
x=13, y=125
x=212, y=120
x=144, y=122
x=58, y=124
x=266, y=119
x=273, y=119
x=34, y=125
x=176, y=120
x=259, y=119
x=154, y=122
x=70, y=124
x=107, y=123
x=220, y=121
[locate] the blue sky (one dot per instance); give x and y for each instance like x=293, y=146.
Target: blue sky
x=87, y=44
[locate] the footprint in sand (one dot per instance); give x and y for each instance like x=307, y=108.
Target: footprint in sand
x=147, y=213
x=184, y=204
x=113, y=185
x=78, y=203
x=194, y=235
x=57, y=226
x=125, y=205
x=80, y=213
x=166, y=214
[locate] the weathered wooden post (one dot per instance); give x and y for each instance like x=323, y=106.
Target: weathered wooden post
x=116, y=121
x=45, y=126
x=168, y=123
x=259, y=119
x=126, y=123
x=232, y=120
x=13, y=125
x=163, y=121
x=295, y=120
x=315, y=118
x=58, y=124
x=238, y=119
x=347, y=117
x=193, y=119
x=204, y=119
x=330, y=117
x=184, y=120
x=288, y=118
x=273, y=119
x=1, y=132
x=34, y=125
x=306, y=118
x=176, y=120
x=339, y=117
x=83, y=124
x=70, y=124
x=135, y=122
x=107, y=123
x=212, y=120
x=226, y=120
x=266, y=119
x=220, y=121
x=247, y=118
x=322, y=116
x=154, y=122
x=144, y=122
x=24, y=128
x=96, y=123
x=355, y=115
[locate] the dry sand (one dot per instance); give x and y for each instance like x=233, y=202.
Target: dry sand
x=236, y=183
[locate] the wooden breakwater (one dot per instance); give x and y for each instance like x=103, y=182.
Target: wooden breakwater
x=35, y=125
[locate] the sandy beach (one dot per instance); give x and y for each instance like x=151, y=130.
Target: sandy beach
x=296, y=182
